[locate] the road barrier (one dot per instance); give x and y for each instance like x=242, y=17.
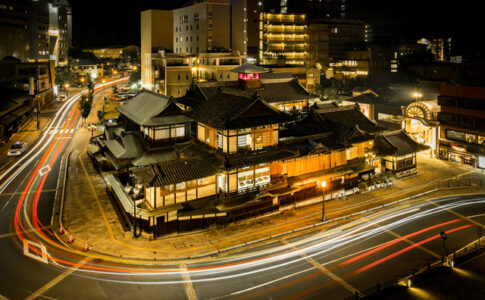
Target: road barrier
x=399, y=283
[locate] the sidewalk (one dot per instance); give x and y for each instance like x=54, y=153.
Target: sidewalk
x=90, y=215
x=27, y=134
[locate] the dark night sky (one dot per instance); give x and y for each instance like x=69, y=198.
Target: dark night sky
x=110, y=22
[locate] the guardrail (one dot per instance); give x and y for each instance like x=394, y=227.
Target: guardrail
x=421, y=273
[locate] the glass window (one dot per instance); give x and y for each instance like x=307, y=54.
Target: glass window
x=161, y=134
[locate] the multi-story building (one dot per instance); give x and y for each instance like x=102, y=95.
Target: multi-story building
x=35, y=79
x=82, y=68
x=462, y=125
x=338, y=47
x=60, y=31
x=351, y=65
x=313, y=9
x=172, y=73
x=211, y=26
x=115, y=52
x=39, y=31
x=283, y=39
x=50, y=30
x=14, y=29
x=36, y=31
x=217, y=66
x=156, y=34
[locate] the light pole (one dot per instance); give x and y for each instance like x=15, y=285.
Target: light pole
x=66, y=86
x=37, y=113
x=324, y=185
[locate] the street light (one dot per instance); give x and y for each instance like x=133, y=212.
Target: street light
x=37, y=112
x=417, y=95
x=324, y=185
x=66, y=86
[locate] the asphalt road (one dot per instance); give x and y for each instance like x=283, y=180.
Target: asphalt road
x=330, y=264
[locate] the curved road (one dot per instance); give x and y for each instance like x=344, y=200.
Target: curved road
x=334, y=263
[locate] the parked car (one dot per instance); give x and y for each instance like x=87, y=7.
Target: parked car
x=18, y=148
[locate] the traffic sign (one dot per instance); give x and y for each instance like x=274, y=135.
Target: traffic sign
x=443, y=235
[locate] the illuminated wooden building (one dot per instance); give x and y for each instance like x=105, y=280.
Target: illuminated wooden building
x=398, y=152
x=281, y=90
x=242, y=157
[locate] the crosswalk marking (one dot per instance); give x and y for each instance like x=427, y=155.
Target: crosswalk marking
x=61, y=131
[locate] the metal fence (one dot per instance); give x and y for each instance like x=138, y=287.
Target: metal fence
x=436, y=268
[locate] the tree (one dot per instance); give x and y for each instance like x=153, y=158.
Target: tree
x=64, y=75
x=135, y=77
x=85, y=104
x=90, y=83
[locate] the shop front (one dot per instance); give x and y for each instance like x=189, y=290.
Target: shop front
x=459, y=154
x=421, y=123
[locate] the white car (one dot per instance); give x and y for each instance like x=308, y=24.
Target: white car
x=17, y=149
x=61, y=98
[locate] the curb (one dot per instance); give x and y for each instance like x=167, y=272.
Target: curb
x=330, y=221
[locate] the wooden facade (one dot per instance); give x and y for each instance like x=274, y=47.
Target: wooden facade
x=233, y=141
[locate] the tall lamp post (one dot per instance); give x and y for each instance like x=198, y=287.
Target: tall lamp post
x=66, y=86
x=37, y=113
x=324, y=185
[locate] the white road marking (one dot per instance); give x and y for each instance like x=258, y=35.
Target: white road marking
x=56, y=280
x=45, y=169
x=42, y=258
x=189, y=288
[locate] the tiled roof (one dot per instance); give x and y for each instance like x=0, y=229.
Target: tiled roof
x=284, y=90
x=127, y=145
x=151, y=109
x=350, y=116
x=176, y=171
x=232, y=109
x=396, y=143
x=366, y=98
x=193, y=98
x=249, y=68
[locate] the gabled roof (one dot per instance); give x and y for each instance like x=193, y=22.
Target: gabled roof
x=366, y=98
x=151, y=109
x=176, y=171
x=127, y=145
x=249, y=68
x=349, y=115
x=312, y=124
x=233, y=109
x=396, y=143
x=283, y=90
x=193, y=98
